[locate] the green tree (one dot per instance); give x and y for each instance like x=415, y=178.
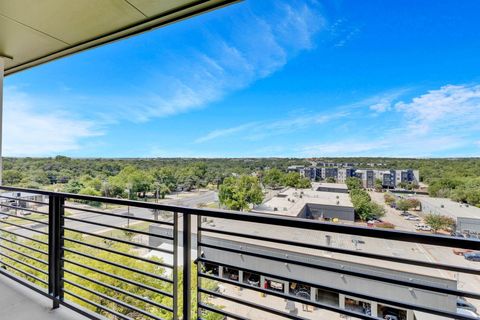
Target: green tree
x=389, y=198
x=378, y=185
x=136, y=181
x=438, y=222
x=238, y=193
x=403, y=205
x=12, y=177
x=295, y=180
x=353, y=183
x=273, y=178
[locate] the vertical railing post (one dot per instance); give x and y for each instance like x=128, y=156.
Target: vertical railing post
x=55, y=248
x=199, y=265
x=175, y=266
x=187, y=266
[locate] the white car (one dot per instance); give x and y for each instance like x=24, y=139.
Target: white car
x=413, y=218
x=466, y=312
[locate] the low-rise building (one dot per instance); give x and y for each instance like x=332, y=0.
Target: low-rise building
x=310, y=204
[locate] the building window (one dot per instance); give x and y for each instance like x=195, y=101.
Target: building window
x=229, y=273
x=299, y=290
x=327, y=297
x=274, y=285
x=358, y=306
x=387, y=312
x=252, y=279
x=210, y=269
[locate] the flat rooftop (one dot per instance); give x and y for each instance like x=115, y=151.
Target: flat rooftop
x=448, y=207
x=291, y=201
x=317, y=185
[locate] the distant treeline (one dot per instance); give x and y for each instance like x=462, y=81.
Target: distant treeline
x=455, y=178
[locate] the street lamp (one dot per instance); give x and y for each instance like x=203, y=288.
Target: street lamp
x=129, y=188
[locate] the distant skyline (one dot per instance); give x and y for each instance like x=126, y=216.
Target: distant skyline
x=265, y=78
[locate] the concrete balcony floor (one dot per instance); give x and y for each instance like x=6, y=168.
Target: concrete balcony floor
x=17, y=302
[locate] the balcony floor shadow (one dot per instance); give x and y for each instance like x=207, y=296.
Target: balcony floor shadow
x=20, y=303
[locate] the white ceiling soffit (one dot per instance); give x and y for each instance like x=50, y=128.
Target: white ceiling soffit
x=33, y=32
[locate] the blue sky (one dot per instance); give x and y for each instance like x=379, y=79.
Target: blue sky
x=265, y=78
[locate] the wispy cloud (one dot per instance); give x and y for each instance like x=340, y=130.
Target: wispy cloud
x=254, y=48
x=261, y=129
x=225, y=132
x=29, y=131
x=445, y=119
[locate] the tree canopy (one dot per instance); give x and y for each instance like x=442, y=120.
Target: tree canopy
x=239, y=193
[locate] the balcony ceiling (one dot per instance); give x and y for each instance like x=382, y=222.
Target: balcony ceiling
x=33, y=32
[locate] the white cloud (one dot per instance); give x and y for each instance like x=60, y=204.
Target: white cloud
x=452, y=108
x=254, y=48
x=445, y=119
x=32, y=132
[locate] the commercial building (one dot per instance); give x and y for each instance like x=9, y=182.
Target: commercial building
x=315, y=276
x=311, y=204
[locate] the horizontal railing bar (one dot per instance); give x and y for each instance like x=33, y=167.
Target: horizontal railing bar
x=348, y=272
x=293, y=298
x=96, y=305
x=116, y=301
x=119, y=215
x=119, y=228
x=26, y=200
x=22, y=227
x=22, y=236
x=270, y=219
x=25, y=255
x=227, y=314
x=327, y=288
x=24, y=246
x=119, y=240
x=24, y=264
x=131, y=282
x=158, y=263
x=22, y=209
x=119, y=265
x=346, y=251
x=124, y=292
x=24, y=272
x=251, y=305
x=24, y=218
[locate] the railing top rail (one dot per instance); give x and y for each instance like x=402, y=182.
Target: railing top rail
x=271, y=219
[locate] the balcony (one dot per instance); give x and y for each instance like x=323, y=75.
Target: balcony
x=117, y=259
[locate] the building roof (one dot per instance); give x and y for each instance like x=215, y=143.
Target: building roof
x=34, y=32
x=448, y=207
x=290, y=202
x=329, y=185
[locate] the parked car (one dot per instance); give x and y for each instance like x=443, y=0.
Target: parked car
x=466, y=312
x=472, y=256
x=413, y=218
x=457, y=234
x=464, y=304
x=461, y=252
x=424, y=228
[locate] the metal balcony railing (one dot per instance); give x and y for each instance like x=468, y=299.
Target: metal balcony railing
x=120, y=259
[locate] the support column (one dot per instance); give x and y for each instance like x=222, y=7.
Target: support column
x=2, y=72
